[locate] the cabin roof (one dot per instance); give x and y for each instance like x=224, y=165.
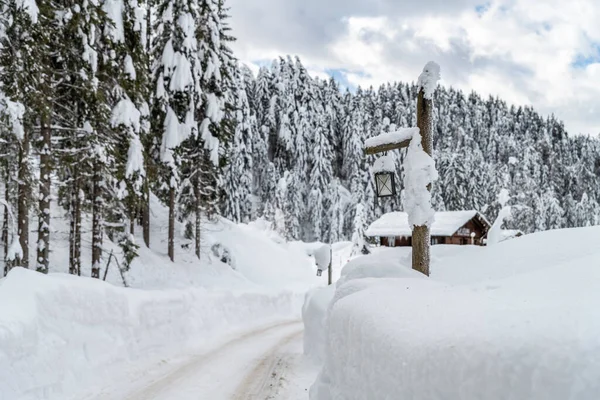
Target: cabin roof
x=446, y=223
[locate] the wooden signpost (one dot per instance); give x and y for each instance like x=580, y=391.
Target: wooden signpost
x=421, y=237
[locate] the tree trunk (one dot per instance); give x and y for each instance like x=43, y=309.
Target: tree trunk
x=198, y=235
x=133, y=212
x=146, y=214
x=72, y=264
x=75, y=232
x=97, y=220
x=421, y=256
x=23, y=201
x=78, y=199
x=5, y=223
x=330, y=269
x=172, y=223
x=43, y=245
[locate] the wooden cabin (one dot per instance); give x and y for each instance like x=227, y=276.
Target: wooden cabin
x=450, y=227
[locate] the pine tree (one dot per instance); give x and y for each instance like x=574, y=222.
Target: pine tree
x=359, y=245
x=177, y=77
x=238, y=174
x=126, y=82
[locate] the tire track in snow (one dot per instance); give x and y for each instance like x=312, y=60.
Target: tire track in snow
x=265, y=380
x=216, y=375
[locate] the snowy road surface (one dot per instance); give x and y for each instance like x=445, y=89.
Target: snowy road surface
x=263, y=364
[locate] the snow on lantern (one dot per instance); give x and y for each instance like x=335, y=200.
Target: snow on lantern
x=385, y=183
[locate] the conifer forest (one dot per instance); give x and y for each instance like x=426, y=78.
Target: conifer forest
x=105, y=103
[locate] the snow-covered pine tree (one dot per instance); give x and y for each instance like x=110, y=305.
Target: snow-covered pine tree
x=26, y=85
x=321, y=172
x=126, y=82
x=11, y=125
x=335, y=210
x=238, y=185
x=265, y=129
x=359, y=245
x=177, y=91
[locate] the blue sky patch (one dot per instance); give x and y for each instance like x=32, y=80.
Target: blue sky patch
x=482, y=8
x=583, y=60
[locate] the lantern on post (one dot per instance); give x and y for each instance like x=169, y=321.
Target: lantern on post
x=385, y=181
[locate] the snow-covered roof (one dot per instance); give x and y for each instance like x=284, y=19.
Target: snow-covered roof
x=396, y=223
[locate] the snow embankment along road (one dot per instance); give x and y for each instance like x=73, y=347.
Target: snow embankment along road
x=514, y=321
x=62, y=337
x=256, y=365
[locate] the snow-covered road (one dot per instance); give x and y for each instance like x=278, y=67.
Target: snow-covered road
x=262, y=364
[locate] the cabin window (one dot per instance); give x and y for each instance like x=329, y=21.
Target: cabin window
x=436, y=240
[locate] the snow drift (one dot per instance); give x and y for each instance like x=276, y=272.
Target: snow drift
x=518, y=321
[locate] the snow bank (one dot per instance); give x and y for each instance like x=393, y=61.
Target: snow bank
x=376, y=266
x=517, y=320
x=59, y=333
x=314, y=316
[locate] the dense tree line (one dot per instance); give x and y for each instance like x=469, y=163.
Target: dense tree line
x=103, y=102
x=311, y=177
x=107, y=101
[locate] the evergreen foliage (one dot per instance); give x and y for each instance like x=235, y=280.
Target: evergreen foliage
x=102, y=108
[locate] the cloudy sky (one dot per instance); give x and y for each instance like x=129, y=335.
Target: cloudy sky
x=544, y=53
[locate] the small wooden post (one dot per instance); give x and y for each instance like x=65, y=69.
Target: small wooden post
x=421, y=256
x=329, y=272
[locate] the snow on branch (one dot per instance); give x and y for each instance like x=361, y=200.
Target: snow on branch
x=419, y=173
x=30, y=7
x=428, y=79
x=14, y=111
x=390, y=140
x=126, y=113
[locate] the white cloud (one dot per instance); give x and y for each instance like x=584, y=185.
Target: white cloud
x=521, y=50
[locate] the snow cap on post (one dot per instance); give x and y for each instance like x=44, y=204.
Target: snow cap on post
x=323, y=257
x=428, y=79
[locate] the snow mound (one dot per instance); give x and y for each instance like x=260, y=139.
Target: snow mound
x=378, y=265
x=524, y=327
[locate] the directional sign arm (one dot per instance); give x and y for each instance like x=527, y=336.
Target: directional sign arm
x=386, y=147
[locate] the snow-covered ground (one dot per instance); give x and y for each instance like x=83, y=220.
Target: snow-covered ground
x=65, y=337
x=513, y=321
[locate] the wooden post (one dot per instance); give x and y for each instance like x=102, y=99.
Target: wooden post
x=421, y=239
x=330, y=273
